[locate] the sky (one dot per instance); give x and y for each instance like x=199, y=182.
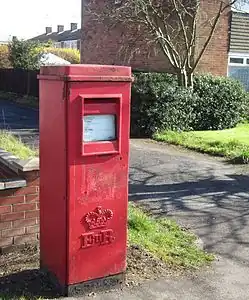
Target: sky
x=28, y=18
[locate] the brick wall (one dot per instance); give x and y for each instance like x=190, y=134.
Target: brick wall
x=215, y=59
x=104, y=45
x=19, y=212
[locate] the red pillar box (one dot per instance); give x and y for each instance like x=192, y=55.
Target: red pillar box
x=84, y=151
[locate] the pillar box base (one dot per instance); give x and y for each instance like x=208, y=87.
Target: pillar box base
x=88, y=287
x=96, y=285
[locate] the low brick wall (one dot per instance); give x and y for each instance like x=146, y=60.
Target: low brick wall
x=19, y=202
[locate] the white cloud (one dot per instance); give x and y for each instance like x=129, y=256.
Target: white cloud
x=241, y=5
x=28, y=18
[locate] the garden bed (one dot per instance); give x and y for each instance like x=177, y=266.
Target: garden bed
x=157, y=249
x=21, y=277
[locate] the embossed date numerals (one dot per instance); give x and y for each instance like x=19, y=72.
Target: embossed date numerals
x=101, y=238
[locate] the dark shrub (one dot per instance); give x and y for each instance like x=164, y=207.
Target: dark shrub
x=222, y=102
x=24, y=54
x=158, y=103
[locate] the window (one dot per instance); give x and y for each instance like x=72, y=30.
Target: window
x=71, y=44
x=57, y=45
x=238, y=68
x=240, y=73
x=237, y=60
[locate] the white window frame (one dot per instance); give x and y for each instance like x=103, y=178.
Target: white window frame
x=243, y=56
x=71, y=44
x=57, y=45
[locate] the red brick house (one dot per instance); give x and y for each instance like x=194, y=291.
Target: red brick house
x=61, y=38
x=102, y=45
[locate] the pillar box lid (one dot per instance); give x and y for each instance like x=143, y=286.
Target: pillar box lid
x=86, y=73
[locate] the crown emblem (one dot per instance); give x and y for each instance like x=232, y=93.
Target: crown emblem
x=98, y=218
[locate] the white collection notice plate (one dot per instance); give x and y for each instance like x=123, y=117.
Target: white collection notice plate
x=99, y=128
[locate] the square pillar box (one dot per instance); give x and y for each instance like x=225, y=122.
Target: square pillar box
x=84, y=152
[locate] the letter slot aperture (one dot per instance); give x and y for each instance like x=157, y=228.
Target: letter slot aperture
x=101, y=124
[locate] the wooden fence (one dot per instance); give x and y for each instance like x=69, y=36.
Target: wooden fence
x=19, y=81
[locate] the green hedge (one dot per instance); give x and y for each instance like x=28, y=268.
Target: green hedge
x=222, y=102
x=158, y=103
x=4, y=57
x=71, y=55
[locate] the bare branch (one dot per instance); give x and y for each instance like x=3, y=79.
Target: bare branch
x=170, y=25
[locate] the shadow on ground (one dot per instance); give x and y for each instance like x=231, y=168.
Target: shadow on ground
x=207, y=196
x=216, y=209
x=31, y=284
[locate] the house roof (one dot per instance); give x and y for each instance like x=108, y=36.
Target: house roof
x=66, y=35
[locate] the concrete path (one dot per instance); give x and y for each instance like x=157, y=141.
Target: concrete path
x=210, y=197
x=21, y=121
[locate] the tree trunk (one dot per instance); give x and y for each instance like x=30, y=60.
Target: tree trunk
x=191, y=80
x=182, y=78
x=185, y=78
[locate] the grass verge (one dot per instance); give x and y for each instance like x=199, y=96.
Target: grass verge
x=15, y=146
x=166, y=240
x=231, y=143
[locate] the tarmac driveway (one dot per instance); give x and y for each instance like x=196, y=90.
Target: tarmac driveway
x=21, y=121
x=207, y=195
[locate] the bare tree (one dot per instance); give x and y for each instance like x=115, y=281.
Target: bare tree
x=169, y=25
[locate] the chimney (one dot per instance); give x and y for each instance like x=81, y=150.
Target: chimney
x=60, y=28
x=48, y=30
x=74, y=26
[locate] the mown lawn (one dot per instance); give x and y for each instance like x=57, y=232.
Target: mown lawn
x=166, y=240
x=231, y=143
x=13, y=145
